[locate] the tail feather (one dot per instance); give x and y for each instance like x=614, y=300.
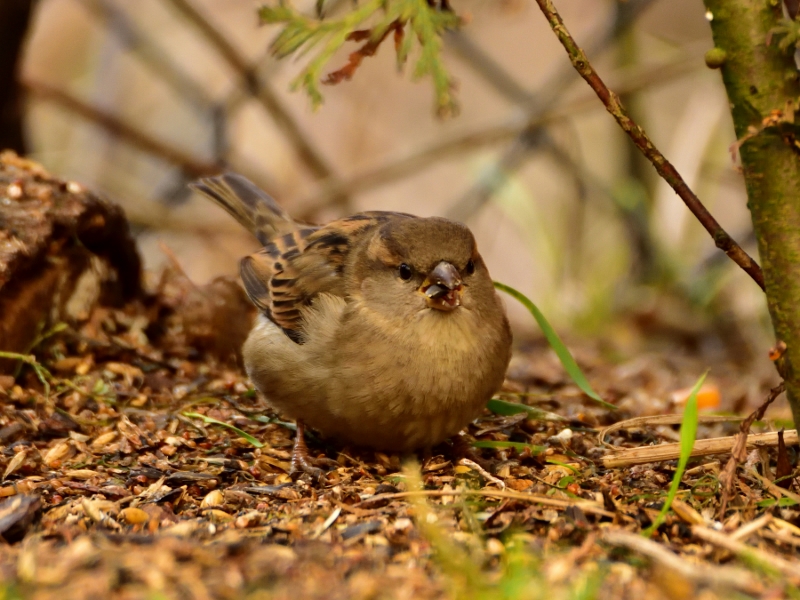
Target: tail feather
x=249, y=205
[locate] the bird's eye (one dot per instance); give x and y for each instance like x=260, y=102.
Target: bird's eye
x=470, y=267
x=405, y=272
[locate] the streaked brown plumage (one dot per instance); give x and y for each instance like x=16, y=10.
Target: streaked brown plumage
x=381, y=329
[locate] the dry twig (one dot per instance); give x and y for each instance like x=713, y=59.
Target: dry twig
x=739, y=451
x=766, y=560
x=709, y=447
x=652, y=420
x=456, y=145
x=584, y=505
x=136, y=137
x=664, y=168
x=705, y=574
x=261, y=91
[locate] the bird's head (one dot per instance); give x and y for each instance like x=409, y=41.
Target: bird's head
x=418, y=265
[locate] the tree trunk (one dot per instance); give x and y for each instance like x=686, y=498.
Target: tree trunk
x=761, y=79
x=14, y=21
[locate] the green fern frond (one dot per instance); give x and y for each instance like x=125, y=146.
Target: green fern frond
x=788, y=32
x=413, y=20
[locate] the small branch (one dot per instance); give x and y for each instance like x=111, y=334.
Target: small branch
x=15, y=22
x=548, y=96
x=704, y=574
x=261, y=91
x=664, y=168
x=584, y=505
x=42, y=374
x=751, y=527
x=739, y=451
x=709, y=447
x=135, y=137
x=461, y=143
x=766, y=561
x=149, y=52
x=191, y=167
x=776, y=490
x=653, y=420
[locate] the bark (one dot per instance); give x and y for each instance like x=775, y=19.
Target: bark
x=67, y=256
x=63, y=250
x=761, y=79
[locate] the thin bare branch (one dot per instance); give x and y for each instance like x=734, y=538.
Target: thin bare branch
x=149, y=52
x=585, y=505
x=766, y=560
x=654, y=420
x=664, y=168
x=261, y=91
x=190, y=165
x=739, y=450
x=547, y=97
x=508, y=128
x=705, y=574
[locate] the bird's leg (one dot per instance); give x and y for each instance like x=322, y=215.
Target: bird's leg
x=463, y=449
x=302, y=462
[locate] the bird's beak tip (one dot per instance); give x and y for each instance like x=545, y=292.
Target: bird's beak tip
x=442, y=287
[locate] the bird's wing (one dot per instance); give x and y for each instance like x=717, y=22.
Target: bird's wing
x=292, y=269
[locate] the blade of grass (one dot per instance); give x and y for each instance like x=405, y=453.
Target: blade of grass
x=557, y=345
x=502, y=407
x=688, y=435
x=268, y=420
x=461, y=573
x=41, y=373
x=569, y=467
x=211, y=421
x=505, y=444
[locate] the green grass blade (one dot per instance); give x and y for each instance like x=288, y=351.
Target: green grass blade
x=212, y=421
x=502, y=407
x=572, y=368
x=506, y=444
x=688, y=435
x=42, y=374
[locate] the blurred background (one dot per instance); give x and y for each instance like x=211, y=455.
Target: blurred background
x=136, y=99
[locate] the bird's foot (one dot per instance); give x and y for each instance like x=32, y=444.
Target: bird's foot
x=463, y=449
x=303, y=462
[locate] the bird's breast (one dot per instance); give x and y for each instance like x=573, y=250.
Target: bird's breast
x=388, y=382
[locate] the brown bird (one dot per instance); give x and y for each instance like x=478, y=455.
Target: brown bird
x=381, y=329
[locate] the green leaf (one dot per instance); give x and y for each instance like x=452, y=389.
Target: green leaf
x=770, y=502
x=506, y=444
x=423, y=28
x=688, y=435
x=572, y=468
x=501, y=407
x=211, y=421
x=268, y=420
x=557, y=345
x=41, y=372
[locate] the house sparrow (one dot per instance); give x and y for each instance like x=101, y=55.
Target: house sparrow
x=381, y=329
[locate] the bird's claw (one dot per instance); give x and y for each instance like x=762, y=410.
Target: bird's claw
x=302, y=461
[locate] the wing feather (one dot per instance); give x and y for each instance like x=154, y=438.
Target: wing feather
x=297, y=262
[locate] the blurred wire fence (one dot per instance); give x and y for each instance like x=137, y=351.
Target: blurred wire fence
x=137, y=99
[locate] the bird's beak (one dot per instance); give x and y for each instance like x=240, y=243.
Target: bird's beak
x=442, y=287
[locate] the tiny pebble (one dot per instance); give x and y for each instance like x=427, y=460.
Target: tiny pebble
x=213, y=498
x=14, y=191
x=134, y=516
